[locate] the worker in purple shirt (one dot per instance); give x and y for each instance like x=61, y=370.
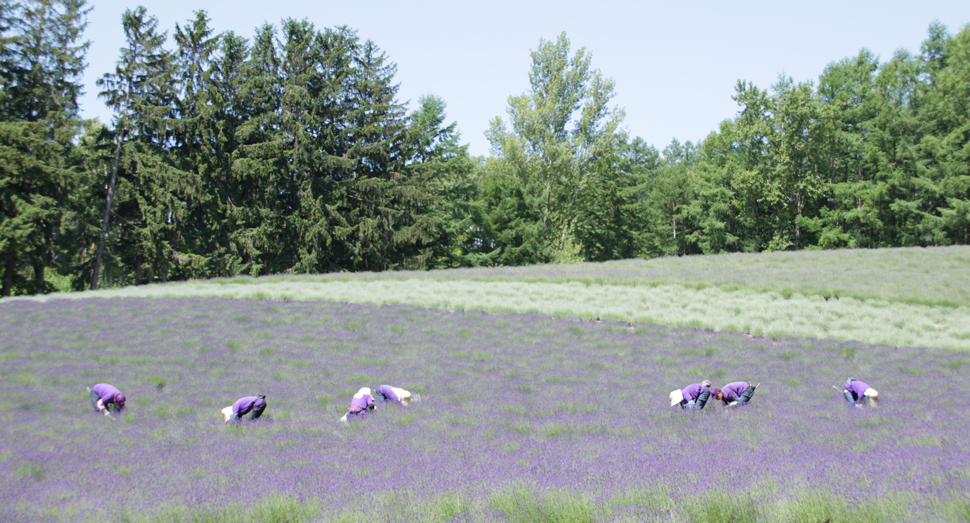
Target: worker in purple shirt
x=735, y=393
x=361, y=402
x=692, y=396
x=255, y=404
x=396, y=395
x=105, y=397
x=856, y=392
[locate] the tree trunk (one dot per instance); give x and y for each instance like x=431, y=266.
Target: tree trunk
x=39, y=278
x=545, y=212
x=757, y=229
x=107, y=213
x=44, y=257
x=569, y=214
x=7, y=277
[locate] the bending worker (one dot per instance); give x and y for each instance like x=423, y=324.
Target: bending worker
x=856, y=393
x=104, y=397
x=255, y=404
x=735, y=393
x=396, y=395
x=361, y=402
x=692, y=396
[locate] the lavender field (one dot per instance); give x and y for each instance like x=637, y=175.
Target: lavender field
x=904, y=297
x=523, y=418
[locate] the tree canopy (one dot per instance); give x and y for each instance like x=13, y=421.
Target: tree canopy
x=290, y=152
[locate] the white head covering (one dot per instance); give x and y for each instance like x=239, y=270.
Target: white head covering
x=676, y=397
x=364, y=391
x=226, y=414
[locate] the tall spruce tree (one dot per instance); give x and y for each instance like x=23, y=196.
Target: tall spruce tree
x=199, y=148
x=303, y=54
x=132, y=92
x=447, y=173
x=376, y=220
x=256, y=189
x=41, y=63
x=953, y=120
x=226, y=110
x=895, y=136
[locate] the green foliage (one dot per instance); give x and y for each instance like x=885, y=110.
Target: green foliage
x=272, y=509
x=874, y=156
x=723, y=508
x=41, y=64
x=290, y=153
x=523, y=505
x=561, y=150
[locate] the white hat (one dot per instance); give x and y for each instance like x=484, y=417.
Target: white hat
x=676, y=397
x=226, y=414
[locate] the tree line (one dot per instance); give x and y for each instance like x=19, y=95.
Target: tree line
x=289, y=152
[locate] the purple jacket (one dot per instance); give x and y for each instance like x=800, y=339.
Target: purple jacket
x=106, y=392
x=732, y=391
x=388, y=393
x=242, y=406
x=857, y=387
x=361, y=403
x=691, y=392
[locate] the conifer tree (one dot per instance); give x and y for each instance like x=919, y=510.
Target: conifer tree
x=376, y=223
x=256, y=194
x=131, y=91
x=446, y=173
x=197, y=147
x=944, y=166
x=41, y=63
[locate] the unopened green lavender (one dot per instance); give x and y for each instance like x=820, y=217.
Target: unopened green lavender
x=517, y=413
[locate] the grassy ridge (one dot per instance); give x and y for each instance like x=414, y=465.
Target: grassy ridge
x=915, y=296
x=937, y=276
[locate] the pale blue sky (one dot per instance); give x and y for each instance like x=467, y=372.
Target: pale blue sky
x=675, y=63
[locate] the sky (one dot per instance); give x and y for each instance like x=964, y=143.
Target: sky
x=675, y=64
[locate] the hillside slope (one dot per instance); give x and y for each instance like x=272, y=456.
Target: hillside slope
x=916, y=296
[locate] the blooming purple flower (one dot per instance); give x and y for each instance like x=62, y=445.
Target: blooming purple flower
x=508, y=402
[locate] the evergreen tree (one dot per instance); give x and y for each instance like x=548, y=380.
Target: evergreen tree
x=944, y=166
x=448, y=175
x=667, y=227
x=304, y=53
x=895, y=136
x=711, y=210
x=41, y=63
x=377, y=223
x=511, y=232
x=753, y=132
x=256, y=189
x=855, y=207
x=197, y=146
x=140, y=93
